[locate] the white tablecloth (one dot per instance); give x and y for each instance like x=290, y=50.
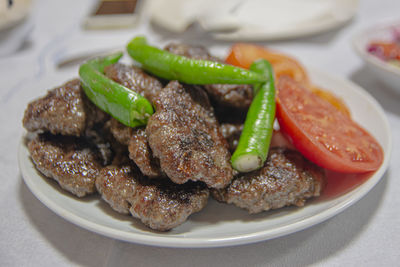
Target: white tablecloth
x=366, y=234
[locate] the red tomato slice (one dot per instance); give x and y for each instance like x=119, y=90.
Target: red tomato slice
x=243, y=55
x=322, y=133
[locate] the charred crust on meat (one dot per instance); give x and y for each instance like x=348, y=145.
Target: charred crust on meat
x=63, y=110
x=184, y=135
x=287, y=178
x=71, y=161
x=158, y=203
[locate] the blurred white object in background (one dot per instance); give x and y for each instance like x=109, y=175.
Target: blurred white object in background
x=14, y=25
x=254, y=19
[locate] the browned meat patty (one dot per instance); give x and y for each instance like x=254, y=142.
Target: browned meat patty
x=185, y=136
x=239, y=96
x=160, y=204
x=287, y=178
x=190, y=51
x=135, y=79
x=121, y=133
x=64, y=110
x=71, y=161
x=139, y=150
x=140, y=153
x=231, y=132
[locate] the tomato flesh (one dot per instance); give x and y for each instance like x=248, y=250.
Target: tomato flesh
x=322, y=133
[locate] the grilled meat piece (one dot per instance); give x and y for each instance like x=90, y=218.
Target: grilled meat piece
x=120, y=132
x=160, y=204
x=287, y=178
x=64, y=110
x=135, y=79
x=231, y=132
x=184, y=135
x=190, y=51
x=140, y=153
x=139, y=150
x=73, y=162
x=235, y=95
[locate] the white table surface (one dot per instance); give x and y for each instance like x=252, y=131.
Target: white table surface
x=366, y=234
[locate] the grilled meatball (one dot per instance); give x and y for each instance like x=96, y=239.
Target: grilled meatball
x=239, y=96
x=287, y=178
x=135, y=79
x=140, y=153
x=71, y=161
x=185, y=136
x=190, y=51
x=120, y=132
x=64, y=110
x=139, y=150
x=160, y=204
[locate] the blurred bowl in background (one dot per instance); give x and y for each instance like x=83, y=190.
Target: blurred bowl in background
x=388, y=73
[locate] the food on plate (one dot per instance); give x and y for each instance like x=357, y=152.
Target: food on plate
x=243, y=55
x=64, y=110
x=387, y=50
x=323, y=134
x=287, y=178
x=337, y=102
x=138, y=147
x=72, y=161
x=170, y=132
x=127, y=106
x=184, y=135
x=235, y=95
x=135, y=79
x=170, y=66
x=159, y=204
x=253, y=145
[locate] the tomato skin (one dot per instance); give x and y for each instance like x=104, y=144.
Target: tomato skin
x=243, y=55
x=323, y=134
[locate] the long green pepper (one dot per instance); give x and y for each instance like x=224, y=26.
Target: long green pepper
x=192, y=71
x=125, y=105
x=253, y=146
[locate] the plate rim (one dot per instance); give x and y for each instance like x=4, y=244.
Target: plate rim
x=345, y=200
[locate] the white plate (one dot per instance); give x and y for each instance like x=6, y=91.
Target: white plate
x=387, y=73
x=220, y=224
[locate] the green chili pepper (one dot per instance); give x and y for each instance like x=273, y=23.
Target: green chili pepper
x=253, y=146
x=174, y=67
x=125, y=105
